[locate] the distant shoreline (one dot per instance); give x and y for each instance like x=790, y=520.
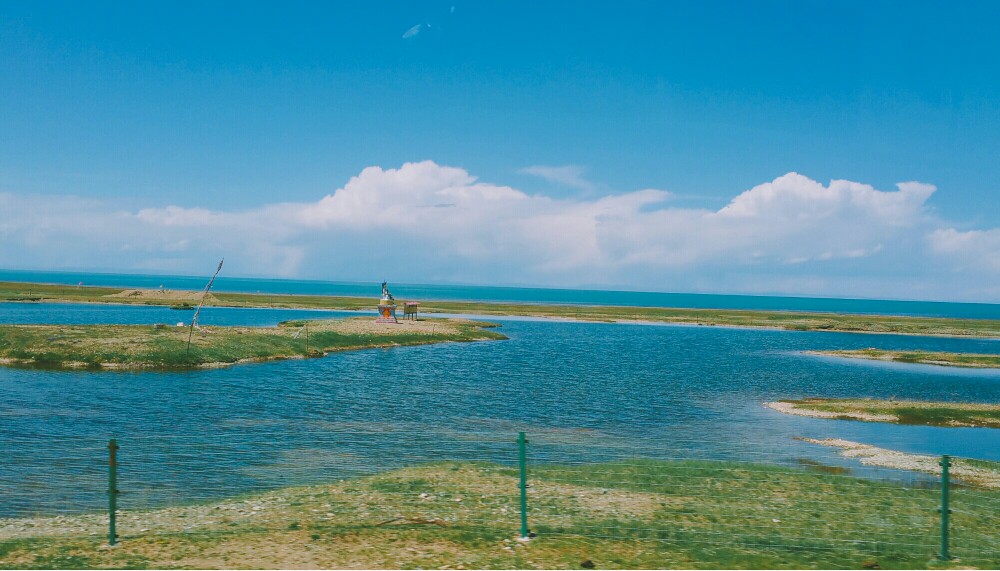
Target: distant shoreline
x=749, y=319
x=527, y=294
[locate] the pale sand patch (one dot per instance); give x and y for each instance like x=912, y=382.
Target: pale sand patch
x=368, y=326
x=875, y=456
x=163, y=295
x=607, y=503
x=295, y=550
x=851, y=355
x=791, y=408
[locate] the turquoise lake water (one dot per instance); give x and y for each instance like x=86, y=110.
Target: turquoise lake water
x=584, y=392
x=522, y=295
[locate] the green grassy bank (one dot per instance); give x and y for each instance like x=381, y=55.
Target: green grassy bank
x=970, y=360
x=634, y=514
x=166, y=347
x=895, y=411
x=798, y=321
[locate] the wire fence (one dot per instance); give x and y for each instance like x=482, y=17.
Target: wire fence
x=549, y=487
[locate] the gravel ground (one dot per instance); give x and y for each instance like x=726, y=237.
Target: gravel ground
x=874, y=456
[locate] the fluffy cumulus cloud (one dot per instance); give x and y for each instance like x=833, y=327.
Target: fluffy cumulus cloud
x=972, y=251
x=428, y=222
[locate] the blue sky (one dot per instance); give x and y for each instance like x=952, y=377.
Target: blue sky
x=111, y=110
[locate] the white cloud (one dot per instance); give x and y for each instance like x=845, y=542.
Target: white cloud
x=176, y=216
x=568, y=175
x=974, y=250
x=427, y=222
x=412, y=32
x=795, y=198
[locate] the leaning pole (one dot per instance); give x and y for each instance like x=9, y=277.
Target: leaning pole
x=194, y=319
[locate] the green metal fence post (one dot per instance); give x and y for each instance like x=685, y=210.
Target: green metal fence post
x=112, y=489
x=945, y=512
x=523, y=464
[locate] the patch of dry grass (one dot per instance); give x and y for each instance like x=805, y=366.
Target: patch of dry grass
x=165, y=347
x=630, y=514
x=940, y=358
x=894, y=411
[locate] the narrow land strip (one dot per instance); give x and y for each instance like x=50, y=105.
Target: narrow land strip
x=788, y=320
x=165, y=347
x=894, y=411
x=940, y=358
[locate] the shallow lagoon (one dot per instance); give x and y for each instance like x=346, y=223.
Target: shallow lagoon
x=582, y=391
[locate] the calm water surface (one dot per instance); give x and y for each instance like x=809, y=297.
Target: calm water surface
x=582, y=391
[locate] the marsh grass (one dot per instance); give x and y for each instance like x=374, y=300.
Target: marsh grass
x=941, y=358
x=164, y=347
x=627, y=514
x=907, y=412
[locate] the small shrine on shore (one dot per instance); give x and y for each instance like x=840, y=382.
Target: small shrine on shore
x=386, y=307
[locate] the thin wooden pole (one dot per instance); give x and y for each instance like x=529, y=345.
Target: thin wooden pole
x=523, y=465
x=112, y=490
x=194, y=318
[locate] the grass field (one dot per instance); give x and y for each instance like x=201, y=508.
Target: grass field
x=970, y=360
x=798, y=321
x=895, y=411
x=165, y=347
x=629, y=514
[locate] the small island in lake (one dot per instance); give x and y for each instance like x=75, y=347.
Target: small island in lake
x=894, y=411
x=166, y=347
x=941, y=358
